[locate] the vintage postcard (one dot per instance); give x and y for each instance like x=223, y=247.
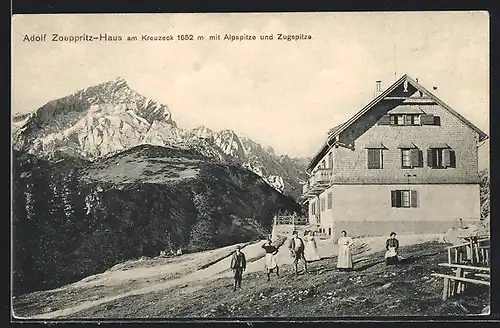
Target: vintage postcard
x=257, y=165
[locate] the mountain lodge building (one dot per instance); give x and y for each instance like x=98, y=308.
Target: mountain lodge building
x=406, y=162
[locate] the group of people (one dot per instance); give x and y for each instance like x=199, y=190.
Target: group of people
x=305, y=251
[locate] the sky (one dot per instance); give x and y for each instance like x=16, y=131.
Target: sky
x=283, y=94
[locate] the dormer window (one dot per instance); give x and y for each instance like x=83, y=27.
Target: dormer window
x=405, y=119
x=405, y=115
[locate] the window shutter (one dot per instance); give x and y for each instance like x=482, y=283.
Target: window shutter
x=446, y=157
x=399, y=200
x=420, y=158
x=427, y=119
x=385, y=120
x=330, y=160
x=396, y=198
x=414, y=156
x=413, y=198
x=371, y=158
x=453, y=159
x=430, y=158
x=378, y=158
x=393, y=198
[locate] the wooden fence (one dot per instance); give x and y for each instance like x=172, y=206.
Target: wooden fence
x=469, y=263
x=290, y=220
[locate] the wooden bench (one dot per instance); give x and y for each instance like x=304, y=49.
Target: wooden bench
x=456, y=284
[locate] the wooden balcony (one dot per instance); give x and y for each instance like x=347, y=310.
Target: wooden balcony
x=305, y=190
x=319, y=181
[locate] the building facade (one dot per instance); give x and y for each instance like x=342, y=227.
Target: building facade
x=406, y=162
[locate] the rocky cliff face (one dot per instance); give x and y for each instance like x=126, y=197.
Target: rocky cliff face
x=105, y=119
x=281, y=172
x=131, y=204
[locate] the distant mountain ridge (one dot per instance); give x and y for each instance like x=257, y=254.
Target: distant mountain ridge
x=110, y=117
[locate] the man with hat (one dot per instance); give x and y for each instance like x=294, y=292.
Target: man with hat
x=296, y=247
x=238, y=265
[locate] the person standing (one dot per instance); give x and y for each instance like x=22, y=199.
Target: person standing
x=392, y=246
x=344, y=258
x=270, y=259
x=311, y=250
x=297, y=250
x=238, y=265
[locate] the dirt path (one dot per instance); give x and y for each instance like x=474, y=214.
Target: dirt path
x=185, y=272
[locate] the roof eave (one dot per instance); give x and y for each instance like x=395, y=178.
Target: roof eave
x=482, y=135
x=314, y=160
x=353, y=118
x=369, y=106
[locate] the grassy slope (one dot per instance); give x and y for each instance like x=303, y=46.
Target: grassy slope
x=373, y=289
x=145, y=200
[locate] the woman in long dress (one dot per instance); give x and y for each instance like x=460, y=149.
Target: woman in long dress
x=344, y=260
x=270, y=259
x=311, y=249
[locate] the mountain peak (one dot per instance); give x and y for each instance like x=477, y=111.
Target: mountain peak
x=117, y=83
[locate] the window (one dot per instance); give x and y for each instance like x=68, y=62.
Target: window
x=323, y=164
x=330, y=200
x=329, y=231
x=397, y=119
x=404, y=198
x=405, y=157
x=374, y=160
x=330, y=160
x=313, y=208
x=409, y=119
x=412, y=119
x=411, y=157
x=322, y=205
x=405, y=119
x=441, y=158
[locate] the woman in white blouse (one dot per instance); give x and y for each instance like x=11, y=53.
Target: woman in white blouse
x=344, y=259
x=311, y=250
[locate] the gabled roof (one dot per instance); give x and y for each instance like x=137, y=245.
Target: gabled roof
x=482, y=136
x=334, y=132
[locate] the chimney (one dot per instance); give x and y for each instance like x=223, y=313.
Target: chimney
x=378, y=89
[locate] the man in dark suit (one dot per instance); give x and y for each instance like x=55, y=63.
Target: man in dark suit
x=297, y=247
x=238, y=265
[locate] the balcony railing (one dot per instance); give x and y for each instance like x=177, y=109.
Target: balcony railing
x=319, y=181
x=291, y=220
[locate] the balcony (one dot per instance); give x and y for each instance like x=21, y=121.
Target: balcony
x=319, y=181
x=305, y=189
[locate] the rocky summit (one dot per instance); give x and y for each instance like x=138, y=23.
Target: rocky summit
x=110, y=117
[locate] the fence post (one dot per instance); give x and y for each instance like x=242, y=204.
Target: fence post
x=445, y=289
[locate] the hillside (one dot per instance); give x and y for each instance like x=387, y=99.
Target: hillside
x=110, y=117
x=135, y=203
x=199, y=285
